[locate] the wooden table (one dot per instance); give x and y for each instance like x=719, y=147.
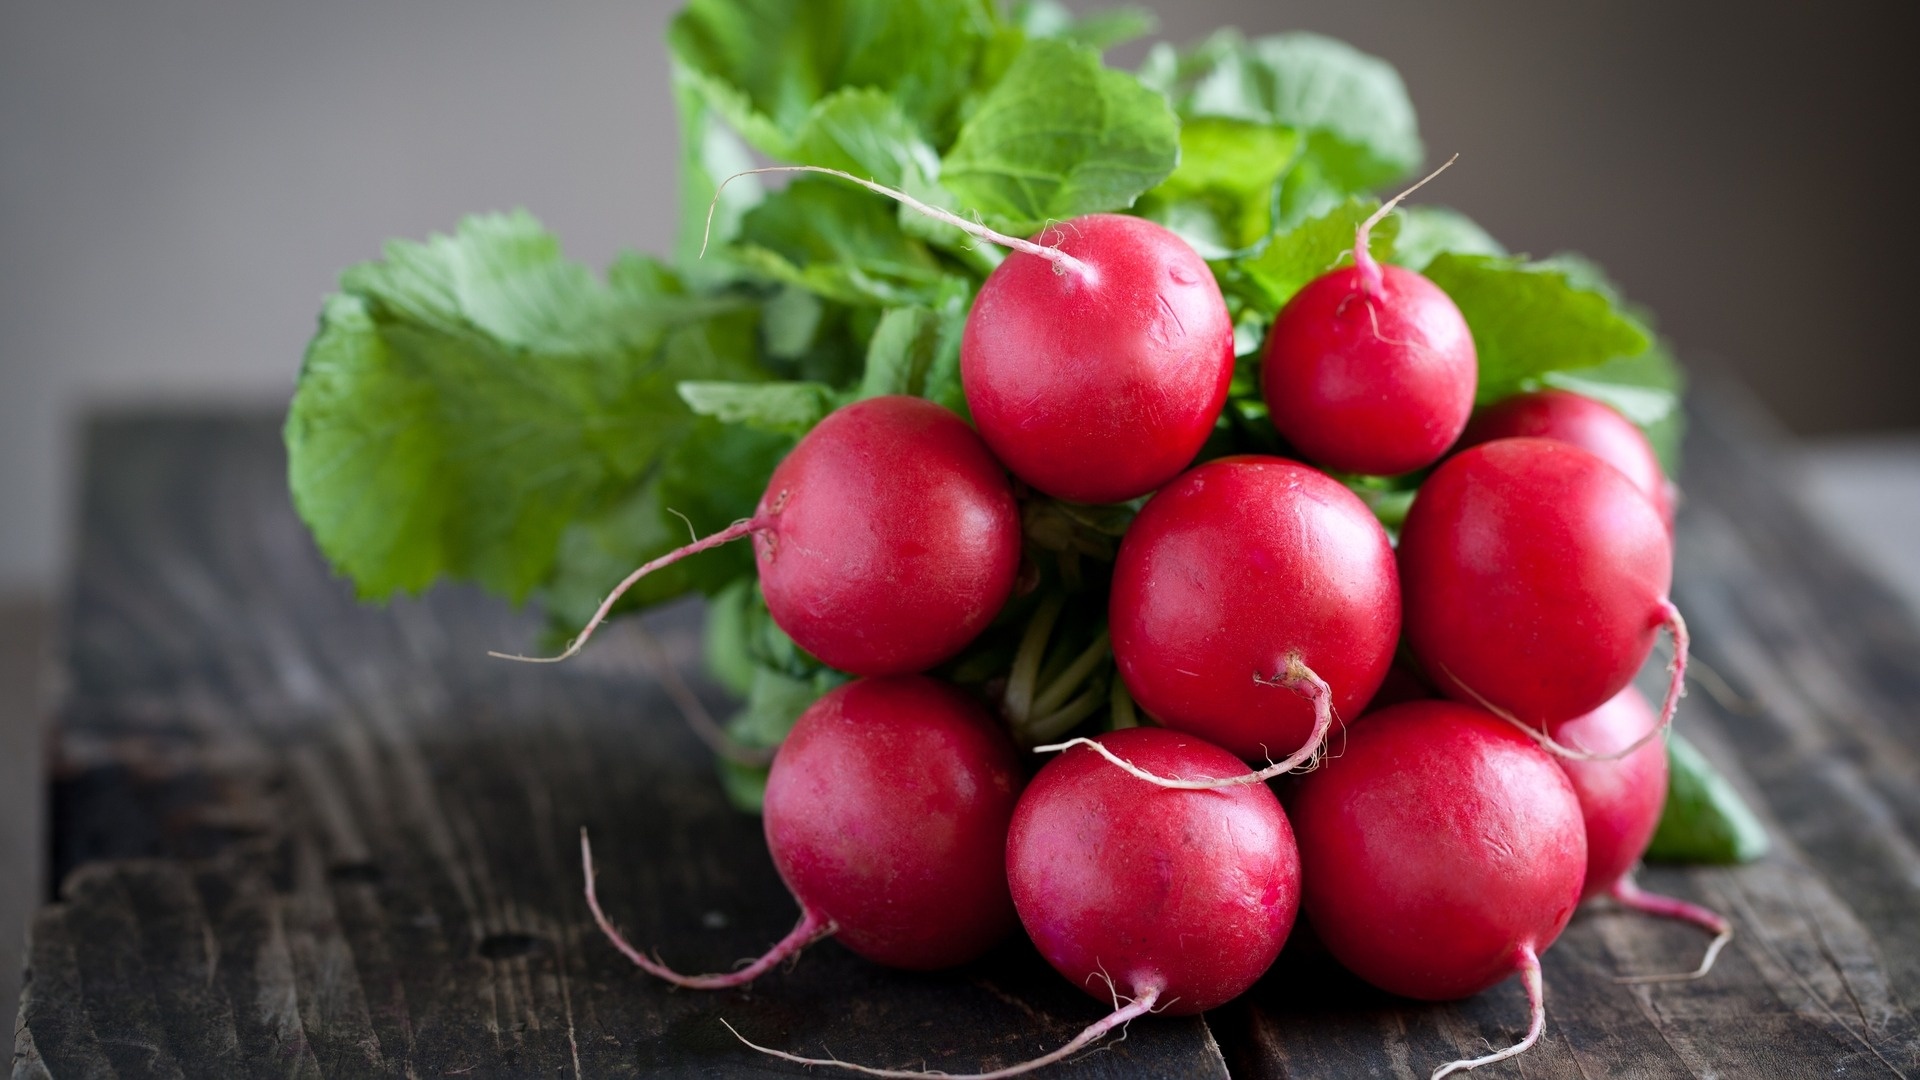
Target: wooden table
x=300, y=837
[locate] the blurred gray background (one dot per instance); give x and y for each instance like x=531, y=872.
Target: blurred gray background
x=181, y=180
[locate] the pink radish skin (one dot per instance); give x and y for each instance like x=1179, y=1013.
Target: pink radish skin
x=886, y=812
x=891, y=539
x=1535, y=577
x=886, y=541
x=1371, y=369
x=1096, y=357
x=1436, y=847
x=1364, y=378
x=1235, y=577
x=1187, y=895
x=1621, y=801
x=1591, y=425
x=1440, y=853
x=1097, y=381
x=1156, y=900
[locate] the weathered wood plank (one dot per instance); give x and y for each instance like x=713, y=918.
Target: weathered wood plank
x=1824, y=973
x=302, y=837
x=24, y=668
x=306, y=838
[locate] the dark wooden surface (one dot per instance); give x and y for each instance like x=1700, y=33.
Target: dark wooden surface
x=296, y=836
x=24, y=667
x=300, y=837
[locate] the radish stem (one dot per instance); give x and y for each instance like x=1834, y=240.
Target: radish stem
x=1062, y=262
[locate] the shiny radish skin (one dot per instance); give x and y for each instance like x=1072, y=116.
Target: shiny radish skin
x=1535, y=577
x=1187, y=893
x=1370, y=380
x=1620, y=800
x=1592, y=425
x=887, y=811
x=885, y=541
x=1440, y=844
x=1098, y=383
x=1231, y=570
x=888, y=539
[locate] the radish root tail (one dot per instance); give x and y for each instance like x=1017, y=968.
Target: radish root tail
x=1062, y=262
x=1119, y=1018
x=694, y=711
x=811, y=928
x=729, y=534
x=1297, y=677
x=1628, y=894
x=1548, y=742
x=1536, y=1001
x=1718, y=688
x=1372, y=279
x=1676, y=668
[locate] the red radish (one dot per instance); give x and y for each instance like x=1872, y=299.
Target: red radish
x=886, y=812
x=1175, y=900
x=1621, y=801
x=1535, y=578
x=1183, y=895
x=1591, y=425
x=1099, y=382
x=1096, y=358
x=886, y=541
x=1440, y=853
x=1370, y=369
x=1254, y=599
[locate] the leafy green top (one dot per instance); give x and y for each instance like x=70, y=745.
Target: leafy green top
x=477, y=407
x=470, y=398
x=1059, y=136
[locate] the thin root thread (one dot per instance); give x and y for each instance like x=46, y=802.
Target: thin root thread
x=1676, y=689
x=1062, y=262
x=1628, y=893
x=1118, y=1018
x=1371, y=276
x=694, y=711
x=732, y=532
x=1536, y=1001
x=1299, y=678
x=809, y=929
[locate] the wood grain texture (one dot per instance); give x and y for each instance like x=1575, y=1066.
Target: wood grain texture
x=301, y=837
x=1819, y=726
x=24, y=670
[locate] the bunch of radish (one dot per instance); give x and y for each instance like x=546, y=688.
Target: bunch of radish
x=1254, y=611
